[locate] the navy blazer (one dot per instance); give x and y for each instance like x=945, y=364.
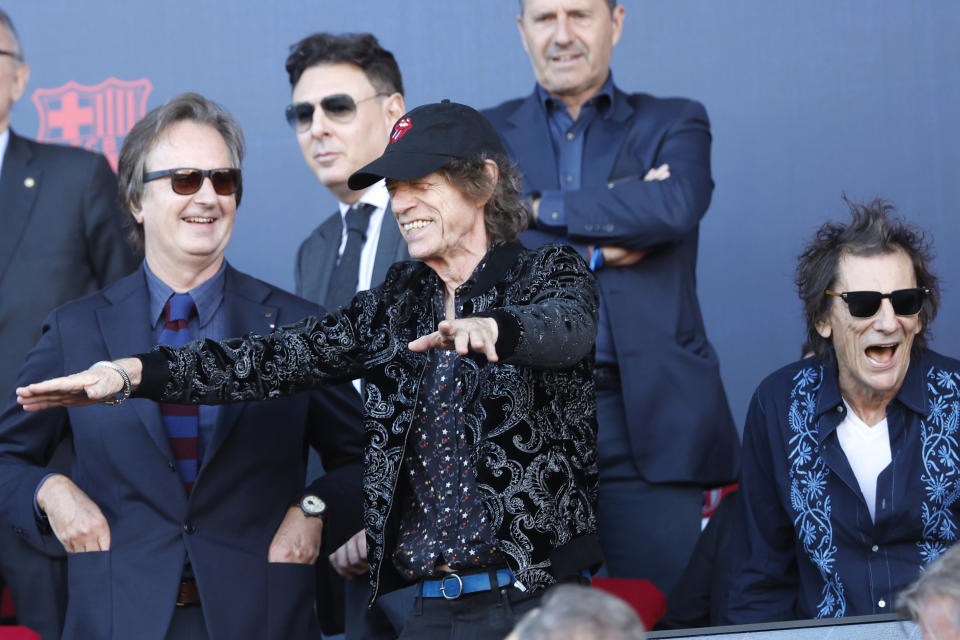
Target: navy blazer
x=318, y=254
x=253, y=470
x=61, y=237
x=679, y=422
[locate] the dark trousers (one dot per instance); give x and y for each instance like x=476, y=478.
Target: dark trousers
x=37, y=583
x=364, y=622
x=187, y=624
x=647, y=531
x=475, y=616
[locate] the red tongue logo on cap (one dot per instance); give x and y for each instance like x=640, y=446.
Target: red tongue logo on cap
x=400, y=129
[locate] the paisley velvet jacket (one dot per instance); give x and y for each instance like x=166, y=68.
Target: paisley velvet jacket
x=530, y=418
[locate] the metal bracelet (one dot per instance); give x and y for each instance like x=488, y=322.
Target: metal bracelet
x=127, y=386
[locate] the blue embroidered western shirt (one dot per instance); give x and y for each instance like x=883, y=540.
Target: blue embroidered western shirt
x=807, y=546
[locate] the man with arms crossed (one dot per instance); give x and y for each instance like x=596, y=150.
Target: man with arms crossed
x=626, y=179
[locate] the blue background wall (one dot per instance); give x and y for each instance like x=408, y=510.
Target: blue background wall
x=809, y=100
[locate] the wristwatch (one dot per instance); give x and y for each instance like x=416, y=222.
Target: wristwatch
x=312, y=506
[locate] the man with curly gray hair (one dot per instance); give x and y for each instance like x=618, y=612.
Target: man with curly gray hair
x=850, y=455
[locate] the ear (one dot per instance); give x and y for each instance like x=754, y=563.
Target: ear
x=394, y=107
x=617, y=17
x=825, y=329
x=491, y=169
x=20, y=77
x=523, y=34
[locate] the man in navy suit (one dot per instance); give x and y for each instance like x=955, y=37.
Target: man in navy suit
x=178, y=522
x=347, y=94
x=626, y=179
x=61, y=236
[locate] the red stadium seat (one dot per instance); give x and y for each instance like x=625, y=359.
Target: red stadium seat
x=648, y=601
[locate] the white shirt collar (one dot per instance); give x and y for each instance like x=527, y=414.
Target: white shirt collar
x=377, y=195
x=4, y=140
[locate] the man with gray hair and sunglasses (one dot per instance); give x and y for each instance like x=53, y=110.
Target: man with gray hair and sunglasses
x=178, y=522
x=851, y=461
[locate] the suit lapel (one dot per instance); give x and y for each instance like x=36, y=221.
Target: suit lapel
x=125, y=326
x=604, y=135
x=243, y=304
x=330, y=232
x=528, y=141
x=391, y=247
x=16, y=197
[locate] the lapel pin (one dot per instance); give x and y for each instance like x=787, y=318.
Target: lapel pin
x=29, y=182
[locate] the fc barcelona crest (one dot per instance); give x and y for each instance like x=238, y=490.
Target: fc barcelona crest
x=95, y=118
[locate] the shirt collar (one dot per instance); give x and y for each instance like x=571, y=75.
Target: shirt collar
x=603, y=98
x=377, y=195
x=207, y=295
x=911, y=394
x=4, y=140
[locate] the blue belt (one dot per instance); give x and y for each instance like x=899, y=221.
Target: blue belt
x=452, y=586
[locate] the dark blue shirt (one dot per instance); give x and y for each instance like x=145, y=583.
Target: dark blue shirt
x=209, y=322
x=808, y=547
x=567, y=136
x=442, y=519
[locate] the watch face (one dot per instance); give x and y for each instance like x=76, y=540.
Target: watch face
x=313, y=506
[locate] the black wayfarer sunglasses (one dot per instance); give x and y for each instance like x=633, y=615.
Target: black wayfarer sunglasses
x=864, y=304
x=186, y=181
x=339, y=107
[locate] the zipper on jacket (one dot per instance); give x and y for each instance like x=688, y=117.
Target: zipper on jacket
x=393, y=490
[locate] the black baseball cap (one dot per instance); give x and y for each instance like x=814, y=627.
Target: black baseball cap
x=429, y=138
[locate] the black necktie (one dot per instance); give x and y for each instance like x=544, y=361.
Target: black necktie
x=343, y=281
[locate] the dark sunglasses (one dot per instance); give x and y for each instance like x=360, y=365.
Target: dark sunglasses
x=188, y=181
x=339, y=107
x=864, y=304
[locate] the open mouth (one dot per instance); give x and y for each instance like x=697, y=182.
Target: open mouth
x=881, y=355
x=199, y=220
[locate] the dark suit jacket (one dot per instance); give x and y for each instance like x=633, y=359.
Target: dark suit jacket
x=61, y=237
x=316, y=259
x=679, y=422
x=317, y=255
x=253, y=470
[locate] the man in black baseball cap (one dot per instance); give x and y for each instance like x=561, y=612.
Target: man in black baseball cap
x=428, y=138
x=480, y=469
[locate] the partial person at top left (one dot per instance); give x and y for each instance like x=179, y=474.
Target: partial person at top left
x=61, y=237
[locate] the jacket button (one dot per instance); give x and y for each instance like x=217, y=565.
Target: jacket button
x=882, y=604
x=172, y=466
x=190, y=528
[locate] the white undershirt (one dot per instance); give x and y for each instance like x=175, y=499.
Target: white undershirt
x=378, y=196
x=868, y=452
x=4, y=139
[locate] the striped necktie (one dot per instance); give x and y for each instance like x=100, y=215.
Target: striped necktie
x=180, y=420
